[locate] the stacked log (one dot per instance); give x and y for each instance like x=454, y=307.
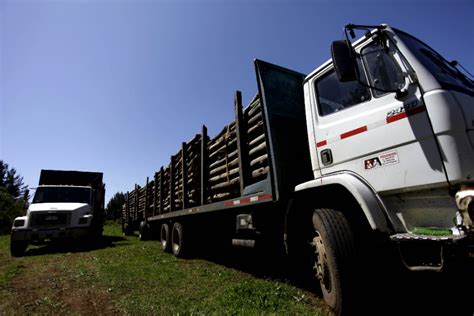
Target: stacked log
x=166, y=190
x=177, y=183
x=193, y=171
x=223, y=165
x=149, y=197
x=141, y=200
x=132, y=206
x=256, y=141
x=178, y=186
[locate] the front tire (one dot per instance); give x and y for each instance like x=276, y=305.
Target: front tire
x=333, y=257
x=18, y=247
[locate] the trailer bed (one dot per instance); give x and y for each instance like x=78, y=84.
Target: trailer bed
x=257, y=158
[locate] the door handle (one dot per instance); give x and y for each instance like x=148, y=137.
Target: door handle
x=326, y=157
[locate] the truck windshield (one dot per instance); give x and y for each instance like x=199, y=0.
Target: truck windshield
x=62, y=194
x=448, y=76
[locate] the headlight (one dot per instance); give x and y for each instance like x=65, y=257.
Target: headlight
x=19, y=223
x=82, y=220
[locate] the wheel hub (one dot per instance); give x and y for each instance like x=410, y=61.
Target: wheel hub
x=320, y=263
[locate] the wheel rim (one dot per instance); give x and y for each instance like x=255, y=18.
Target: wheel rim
x=321, y=266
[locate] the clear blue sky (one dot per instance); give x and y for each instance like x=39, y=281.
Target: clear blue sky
x=116, y=86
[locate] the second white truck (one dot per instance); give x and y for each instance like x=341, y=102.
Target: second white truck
x=66, y=204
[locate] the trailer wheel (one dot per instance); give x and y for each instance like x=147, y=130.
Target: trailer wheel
x=333, y=256
x=144, y=231
x=165, y=238
x=178, y=243
x=18, y=247
x=127, y=229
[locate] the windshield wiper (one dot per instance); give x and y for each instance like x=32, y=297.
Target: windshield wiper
x=456, y=64
x=448, y=67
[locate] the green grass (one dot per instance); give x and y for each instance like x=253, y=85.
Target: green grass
x=127, y=276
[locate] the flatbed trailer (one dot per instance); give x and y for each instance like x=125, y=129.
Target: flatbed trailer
x=242, y=178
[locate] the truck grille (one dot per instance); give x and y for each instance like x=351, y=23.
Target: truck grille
x=50, y=219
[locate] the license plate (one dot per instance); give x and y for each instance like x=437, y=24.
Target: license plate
x=51, y=218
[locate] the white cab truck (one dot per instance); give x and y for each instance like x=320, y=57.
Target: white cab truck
x=66, y=205
x=374, y=147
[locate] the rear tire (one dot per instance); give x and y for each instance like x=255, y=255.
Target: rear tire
x=333, y=257
x=127, y=230
x=18, y=247
x=165, y=238
x=144, y=231
x=178, y=241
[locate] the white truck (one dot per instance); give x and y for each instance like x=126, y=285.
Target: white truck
x=66, y=204
x=376, y=146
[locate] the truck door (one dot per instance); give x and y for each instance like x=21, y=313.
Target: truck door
x=387, y=141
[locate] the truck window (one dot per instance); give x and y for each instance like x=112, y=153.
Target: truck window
x=382, y=69
x=334, y=95
x=62, y=194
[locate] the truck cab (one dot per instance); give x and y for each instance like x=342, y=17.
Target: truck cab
x=59, y=212
x=392, y=121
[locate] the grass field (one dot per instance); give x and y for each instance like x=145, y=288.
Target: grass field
x=126, y=276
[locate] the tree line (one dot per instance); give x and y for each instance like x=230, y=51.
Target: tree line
x=113, y=209
x=14, y=196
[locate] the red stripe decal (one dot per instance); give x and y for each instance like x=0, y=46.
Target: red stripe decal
x=354, y=132
x=265, y=196
x=321, y=143
x=406, y=114
x=246, y=200
x=396, y=117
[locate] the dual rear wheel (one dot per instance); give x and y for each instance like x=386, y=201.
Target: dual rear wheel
x=174, y=240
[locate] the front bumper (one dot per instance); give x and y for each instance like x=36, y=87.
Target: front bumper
x=49, y=233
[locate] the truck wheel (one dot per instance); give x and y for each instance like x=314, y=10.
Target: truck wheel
x=333, y=256
x=18, y=247
x=178, y=243
x=144, y=231
x=165, y=238
x=96, y=229
x=127, y=231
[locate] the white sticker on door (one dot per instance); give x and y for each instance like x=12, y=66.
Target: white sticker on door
x=382, y=160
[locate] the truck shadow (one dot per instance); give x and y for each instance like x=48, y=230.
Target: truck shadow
x=406, y=292
x=65, y=246
x=394, y=291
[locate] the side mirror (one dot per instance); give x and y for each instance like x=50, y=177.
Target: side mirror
x=344, y=62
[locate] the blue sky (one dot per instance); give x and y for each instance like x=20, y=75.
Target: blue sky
x=116, y=86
